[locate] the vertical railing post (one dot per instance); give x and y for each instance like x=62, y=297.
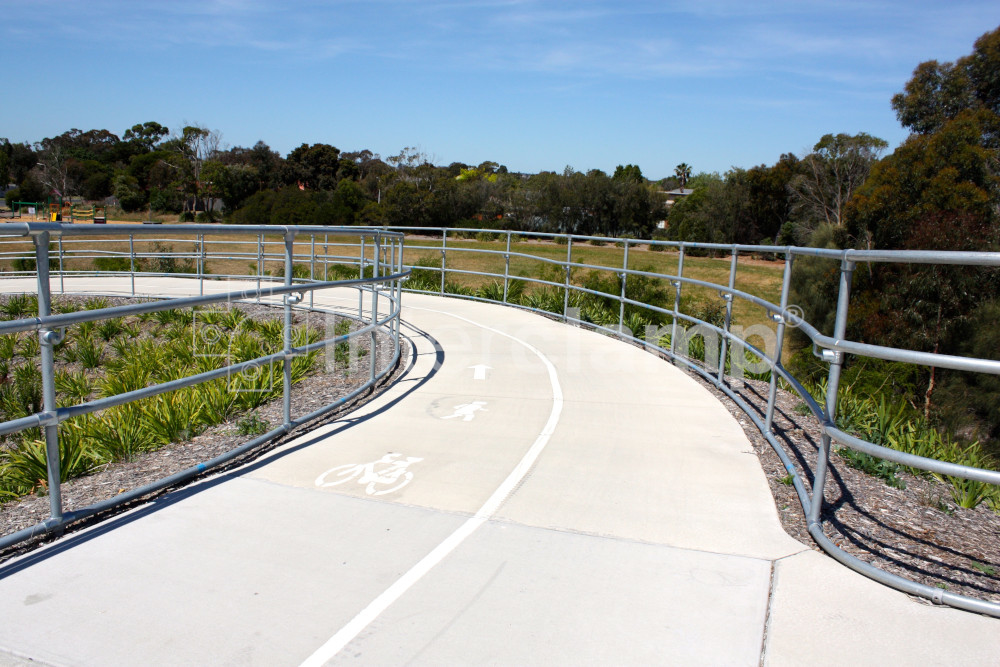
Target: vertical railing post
x=48, y=339
x=398, y=286
x=326, y=257
x=286, y=393
x=569, y=260
x=374, y=336
x=724, y=345
x=131, y=259
x=62, y=272
x=677, y=301
x=786, y=283
x=836, y=360
x=361, y=275
x=201, y=264
x=621, y=297
x=444, y=256
x=260, y=262
x=312, y=266
x=506, y=269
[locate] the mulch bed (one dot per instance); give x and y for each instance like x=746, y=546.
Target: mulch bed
x=309, y=394
x=918, y=532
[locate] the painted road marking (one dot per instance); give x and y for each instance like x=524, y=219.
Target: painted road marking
x=467, y=411
x=346, y=634
x=479, y=371
x=394, y=473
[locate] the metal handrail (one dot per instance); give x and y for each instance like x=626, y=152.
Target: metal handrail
x=384, y=284
x=830, y=348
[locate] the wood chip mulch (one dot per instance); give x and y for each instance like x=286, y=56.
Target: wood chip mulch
x=918, y=532
x=309, y=394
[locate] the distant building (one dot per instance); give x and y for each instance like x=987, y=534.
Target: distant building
x=673, y=195
x=671, y=198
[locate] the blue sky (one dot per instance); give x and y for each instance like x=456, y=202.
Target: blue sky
x=532, y=84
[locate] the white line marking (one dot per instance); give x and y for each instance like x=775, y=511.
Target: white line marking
x=479, y=371
x=346, y=634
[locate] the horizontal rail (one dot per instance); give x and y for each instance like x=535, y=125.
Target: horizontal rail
x=834, y=348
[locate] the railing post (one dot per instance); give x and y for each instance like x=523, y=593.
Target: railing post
x=260, y=262
x=677, y=301
x=398, y=288
x=786, y=283
x=506, y=269
x=724, y=346
x=832, y=386
x=131, y=259
x=621, y=298
x=48, y=339
x=569, y=260
x=62, y=273
x=312, y=266
x=326, y=257
x=444, y=256
x=201, y=264
x=374, y=335
x=286, y=393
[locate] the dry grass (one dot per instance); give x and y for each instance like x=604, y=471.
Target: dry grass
x=536, y=259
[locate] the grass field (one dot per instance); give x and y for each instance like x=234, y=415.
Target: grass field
x=236, y=254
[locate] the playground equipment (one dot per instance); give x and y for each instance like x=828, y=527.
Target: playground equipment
x=30, y=209
x=59, y=211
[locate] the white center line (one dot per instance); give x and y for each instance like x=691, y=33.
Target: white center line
x=375, y=608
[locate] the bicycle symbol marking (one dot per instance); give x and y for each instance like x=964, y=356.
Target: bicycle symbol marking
x=392, y=473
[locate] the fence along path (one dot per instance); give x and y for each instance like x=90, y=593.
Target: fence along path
x=529, y=492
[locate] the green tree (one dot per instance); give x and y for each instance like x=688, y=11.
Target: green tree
x=144, y=136
x=838, y=165
x=313, y=166
x=939, y=92
x=628, y=172
x=683, y=173
x=949, y=171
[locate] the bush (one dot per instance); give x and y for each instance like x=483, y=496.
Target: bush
x=113, y=264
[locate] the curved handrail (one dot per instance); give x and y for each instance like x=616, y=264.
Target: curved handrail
x=388, y=241
x=830, y=348
x=384, y=285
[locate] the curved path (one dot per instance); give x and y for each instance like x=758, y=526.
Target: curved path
x=535, y=494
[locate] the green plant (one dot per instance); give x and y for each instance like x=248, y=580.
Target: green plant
x=25, y=469
x=985, y=569
x=19, y=306
x=787, y=480
x=251, y=424
x=119, y=434
x=109, y=329
x=96, y=303
x=885, y=470
x=172, y=417
x=73, y=387
x=30, y=345
x=8, y=343
x=89, y=353
x=217, y=402
x=113, y=264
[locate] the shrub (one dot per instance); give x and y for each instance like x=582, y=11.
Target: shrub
x=113, y=264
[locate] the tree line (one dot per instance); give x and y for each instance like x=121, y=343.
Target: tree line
x=940, y=189
x=192, y=174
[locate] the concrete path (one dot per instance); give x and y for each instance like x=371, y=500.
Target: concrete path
x=529, y=493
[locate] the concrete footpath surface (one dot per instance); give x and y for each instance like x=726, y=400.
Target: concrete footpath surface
x=529, y=493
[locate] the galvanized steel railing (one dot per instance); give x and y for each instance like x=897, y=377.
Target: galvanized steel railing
x=320, y=259
x=377, y=253
x=831, y=349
